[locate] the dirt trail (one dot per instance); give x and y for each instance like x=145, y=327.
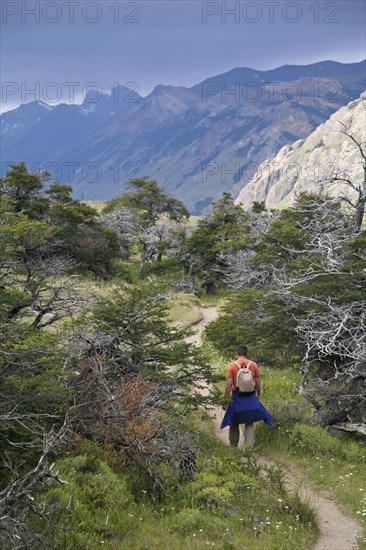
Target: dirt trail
x=337, y=531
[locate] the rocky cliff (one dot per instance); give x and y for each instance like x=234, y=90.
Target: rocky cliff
x=307, y=164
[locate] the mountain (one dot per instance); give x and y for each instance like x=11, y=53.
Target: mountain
x=17, y=122
x=315, y=79
x=196, y=142
x=306, y=164
x=35, y=131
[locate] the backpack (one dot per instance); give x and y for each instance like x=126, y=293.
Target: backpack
x=245, y=383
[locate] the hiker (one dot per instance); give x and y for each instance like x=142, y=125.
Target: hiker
x=245, y=407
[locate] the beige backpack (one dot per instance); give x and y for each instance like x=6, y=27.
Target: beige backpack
x=245, y=382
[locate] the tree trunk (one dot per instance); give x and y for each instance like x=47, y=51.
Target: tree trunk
x=345, y=406
x=350, y=427
x=142, y=263
x=210, y=288
x=329, y=414
x=360, y=211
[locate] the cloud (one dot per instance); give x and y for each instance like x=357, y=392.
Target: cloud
x=169, y=42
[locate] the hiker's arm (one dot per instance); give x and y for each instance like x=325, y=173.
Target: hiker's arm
x=229, y=385
x=228, y=388
x=257, y=386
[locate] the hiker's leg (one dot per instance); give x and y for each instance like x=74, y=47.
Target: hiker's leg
x=249, y=435
x=234, y=435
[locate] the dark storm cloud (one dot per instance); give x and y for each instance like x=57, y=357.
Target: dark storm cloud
x=173, y=42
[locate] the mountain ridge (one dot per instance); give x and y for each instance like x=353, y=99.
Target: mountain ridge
x=194, y=146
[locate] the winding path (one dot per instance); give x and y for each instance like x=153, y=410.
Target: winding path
x=337, y=531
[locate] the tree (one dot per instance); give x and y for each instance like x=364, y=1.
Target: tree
x=20, y=506
x=33, y=418
x=24, y=188
x=77, y=232
x=37, y=292
x=151, y=200
x=133, y=368
x=140, y=215
x=308, y=309
x=31, y=260
x=328, y=291
x=223, y=229
x=239, y=267
x=114, y=371
x=358, y=202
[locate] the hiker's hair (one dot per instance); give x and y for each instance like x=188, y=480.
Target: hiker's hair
x=242, y=350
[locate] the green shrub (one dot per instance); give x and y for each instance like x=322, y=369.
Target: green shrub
x=315, y=440
x=92, y=505
x=167, y=267
x=224, y=485
x=188, y=521
x=127, y=270
x=287, y=413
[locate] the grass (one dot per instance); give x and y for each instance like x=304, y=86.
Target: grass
x=280, y=395
x=98, y=205
x=231, y=503
x=185, y=309
x=216, y=299
x=228, y=504
x=343, y=478
x=333, y=464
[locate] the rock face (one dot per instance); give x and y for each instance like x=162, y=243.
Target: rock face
x=195, y=142
x=307, y=164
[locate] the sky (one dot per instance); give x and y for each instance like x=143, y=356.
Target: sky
x=54, y=50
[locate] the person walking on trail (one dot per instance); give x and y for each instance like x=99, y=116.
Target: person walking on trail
x=243, y=380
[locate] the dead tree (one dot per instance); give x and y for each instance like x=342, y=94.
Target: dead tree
x=334, y=367
x=357, y=203
x=21, y=499
x=239, y=268
x=333, y=330
x=130, y=419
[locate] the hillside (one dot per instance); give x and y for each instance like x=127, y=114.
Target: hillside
x=114, y=364
x=305, y=165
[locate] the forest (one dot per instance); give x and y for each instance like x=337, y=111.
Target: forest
x=106, y=431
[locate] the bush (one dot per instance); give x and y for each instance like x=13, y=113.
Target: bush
x=167, y=267
x=191, y=520
x=315, y=440
x=226, y=485
x=96, y=499
x=288, y=413
x=188, y=520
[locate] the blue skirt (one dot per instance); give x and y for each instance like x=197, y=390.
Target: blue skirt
x=245, y=409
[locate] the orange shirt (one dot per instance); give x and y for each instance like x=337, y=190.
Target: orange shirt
x=233, y=370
